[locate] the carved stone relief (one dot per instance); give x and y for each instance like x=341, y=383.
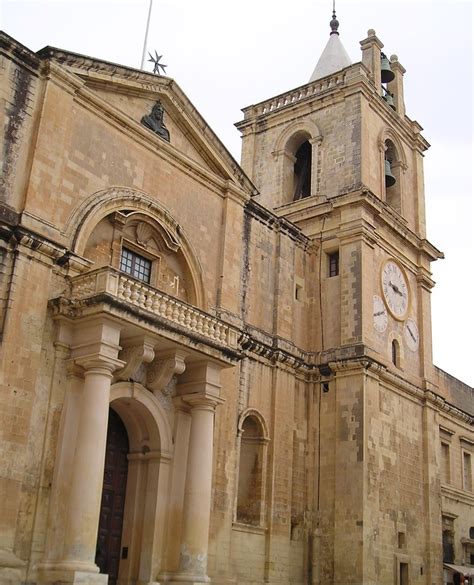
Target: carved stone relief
x=155, y=122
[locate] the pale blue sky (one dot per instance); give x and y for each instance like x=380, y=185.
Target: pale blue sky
x=227, y=55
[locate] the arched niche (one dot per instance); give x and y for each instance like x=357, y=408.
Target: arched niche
x=251, y=477
x=297, y=154
x=117, y=218
x=392, y=150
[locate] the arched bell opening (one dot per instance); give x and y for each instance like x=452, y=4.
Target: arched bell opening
x=393, y=176
x=302, y=171
x=297, y=152
x=136, y=548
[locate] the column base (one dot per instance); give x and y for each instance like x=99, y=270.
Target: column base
x=65, y=577
x=12, y=569
x=190, y=582
x=188, y=579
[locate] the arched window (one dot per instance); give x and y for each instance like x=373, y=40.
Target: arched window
x=251, y=472
x=302, y=171
x=140, y=247
x=395, y=353
x=393, y=192
x=471, y=532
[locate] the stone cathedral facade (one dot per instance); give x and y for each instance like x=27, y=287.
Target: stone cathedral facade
x=214, y=372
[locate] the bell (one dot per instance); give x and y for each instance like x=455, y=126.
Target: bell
x=386, y=71
x=388, y=97
x=390, y=180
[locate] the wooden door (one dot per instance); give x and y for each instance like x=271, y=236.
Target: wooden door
x=109, y=537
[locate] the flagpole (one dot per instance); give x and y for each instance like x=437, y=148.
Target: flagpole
x=146, y=35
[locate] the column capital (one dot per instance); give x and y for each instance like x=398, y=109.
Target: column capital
x=284, y=153
x=99, y=363
x=316, y=140
x=202, y=401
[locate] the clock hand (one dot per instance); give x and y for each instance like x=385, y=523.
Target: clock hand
x=396, y=289
x=411, y=333
x=379, y=313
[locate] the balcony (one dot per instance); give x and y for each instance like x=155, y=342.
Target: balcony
x=108, y=284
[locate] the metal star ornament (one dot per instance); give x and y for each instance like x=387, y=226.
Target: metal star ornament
x=156, y=63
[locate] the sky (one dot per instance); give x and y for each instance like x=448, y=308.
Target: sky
x=226, y=55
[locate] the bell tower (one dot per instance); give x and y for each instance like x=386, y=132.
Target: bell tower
x=340, y=158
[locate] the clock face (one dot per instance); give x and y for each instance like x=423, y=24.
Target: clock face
x=380, y=315
x=412, y=336
x=395, y=289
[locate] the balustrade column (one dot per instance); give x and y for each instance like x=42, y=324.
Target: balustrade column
x=197, y=495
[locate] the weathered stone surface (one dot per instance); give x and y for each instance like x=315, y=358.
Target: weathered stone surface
x=274, y=435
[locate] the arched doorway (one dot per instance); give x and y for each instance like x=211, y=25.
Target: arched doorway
x=109, y=535
x=150, y=448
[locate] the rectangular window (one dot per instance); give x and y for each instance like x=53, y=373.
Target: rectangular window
x=467, y=471
x=445, y=463
x=135, y=265
x=334, y=264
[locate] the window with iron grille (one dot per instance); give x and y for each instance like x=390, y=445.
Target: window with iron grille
x=135, y=265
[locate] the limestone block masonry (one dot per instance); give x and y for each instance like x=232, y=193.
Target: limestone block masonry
x=216, y=374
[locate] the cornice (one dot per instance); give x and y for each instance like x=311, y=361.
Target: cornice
x=451, y=493
x=20, y=54
x=444, y=406
x=45, y=249
x=275, y=222
x=314, y=207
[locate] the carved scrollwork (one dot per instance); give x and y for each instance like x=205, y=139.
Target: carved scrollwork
x=161, y=371
x=135, y=356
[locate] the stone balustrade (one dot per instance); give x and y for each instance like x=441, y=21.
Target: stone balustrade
x=139, y=294
x=296, y=95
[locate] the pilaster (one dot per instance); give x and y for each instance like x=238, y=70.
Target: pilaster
x=200, y=390
x=396, y=86
x=371, y=48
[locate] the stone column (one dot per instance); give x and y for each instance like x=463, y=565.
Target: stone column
x=197, y=495
x=95, y=350
x=88, y=466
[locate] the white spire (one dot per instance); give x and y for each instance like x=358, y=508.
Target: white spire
x=334, y=57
